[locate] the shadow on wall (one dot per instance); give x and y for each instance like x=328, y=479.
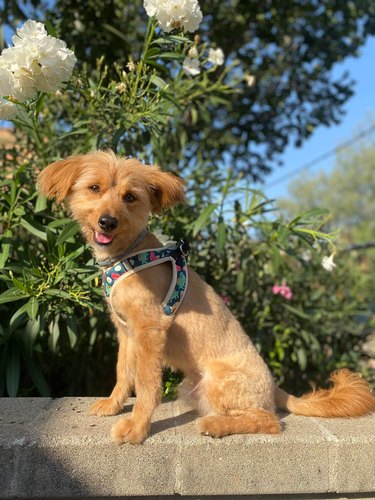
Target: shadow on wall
x=54, y=448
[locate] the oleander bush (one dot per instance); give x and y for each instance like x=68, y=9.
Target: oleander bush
x=55, y=336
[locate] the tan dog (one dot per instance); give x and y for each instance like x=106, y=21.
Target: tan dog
x=225, y=377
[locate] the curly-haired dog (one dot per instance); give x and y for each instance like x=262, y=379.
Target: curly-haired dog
x=225, y=377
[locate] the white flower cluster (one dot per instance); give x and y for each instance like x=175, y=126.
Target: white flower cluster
x=175, y=14
x=191, y=64
x=37, y=61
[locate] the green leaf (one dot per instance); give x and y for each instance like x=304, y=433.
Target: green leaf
x=11, y=295
x=275, y=258
x=50, y=28
x=13, y=323
x=69, y=230
x=32, y=330
x=240, y=281
x=159, y=82
x=41, y=204
x=169, y=55
x=80, y=131
x=13, y=370
x=116, y=32
x=297, y=312
x=59, y=222
x=221, y=236
x=302, y=358
x=204, y=217
x=5, y=248
x=37, y=376
x=71, y=326
x=152, y=53
x=178, y=38
x=54, y=292
x=54, y=334
x=32, y=308
x=34, y=227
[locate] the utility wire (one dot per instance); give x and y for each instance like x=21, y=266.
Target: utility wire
x=324, y=156
x=359, y=246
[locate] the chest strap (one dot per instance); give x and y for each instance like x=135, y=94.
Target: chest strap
x=174, y=253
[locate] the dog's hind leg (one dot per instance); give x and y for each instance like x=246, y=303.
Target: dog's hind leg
x=125, y=374
x=250, y=421
x=238, y=398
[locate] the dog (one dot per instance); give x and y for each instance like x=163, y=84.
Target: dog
x=225, y=377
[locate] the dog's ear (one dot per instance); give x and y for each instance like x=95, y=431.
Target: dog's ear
x=56, y=180
x=166, y=189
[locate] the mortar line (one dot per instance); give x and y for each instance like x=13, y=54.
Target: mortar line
x=178, y=468
x=16, y=462
x=332, y=455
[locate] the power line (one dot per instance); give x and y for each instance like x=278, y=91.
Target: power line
x=324, y=156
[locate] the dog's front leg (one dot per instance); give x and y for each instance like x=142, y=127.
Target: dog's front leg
x=125, y=373
x=150, y=346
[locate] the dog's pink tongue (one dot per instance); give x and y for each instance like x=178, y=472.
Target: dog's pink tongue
x=103, y=238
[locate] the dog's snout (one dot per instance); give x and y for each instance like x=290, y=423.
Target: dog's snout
x=107, y=222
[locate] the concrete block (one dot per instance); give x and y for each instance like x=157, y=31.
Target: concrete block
x=54, y=448
x=352, y=453
x=70, y=453
x=255, y=464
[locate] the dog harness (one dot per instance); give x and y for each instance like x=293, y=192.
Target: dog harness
x=175, y=253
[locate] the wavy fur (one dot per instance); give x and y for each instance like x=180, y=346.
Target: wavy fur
x=350, y=396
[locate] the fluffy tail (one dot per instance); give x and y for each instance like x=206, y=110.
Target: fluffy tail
x=350, y=396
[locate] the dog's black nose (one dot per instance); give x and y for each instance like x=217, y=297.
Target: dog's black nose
x=107, y=222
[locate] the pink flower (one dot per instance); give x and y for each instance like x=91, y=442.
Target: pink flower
x=282, y=290
x=225, y=299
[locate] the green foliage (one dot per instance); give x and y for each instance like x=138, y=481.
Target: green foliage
x=348, y=192
x=289, y=47
x=55, y=334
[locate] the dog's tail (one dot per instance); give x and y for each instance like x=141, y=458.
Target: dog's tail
x=350, y=396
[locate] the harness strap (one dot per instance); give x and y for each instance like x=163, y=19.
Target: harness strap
x=151, y=257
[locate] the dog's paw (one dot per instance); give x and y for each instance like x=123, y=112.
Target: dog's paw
x=127, y=430
x=209, y=426
x=105, y=407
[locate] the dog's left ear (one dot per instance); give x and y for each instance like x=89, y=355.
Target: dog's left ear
x=166, y=190
x=56, y=180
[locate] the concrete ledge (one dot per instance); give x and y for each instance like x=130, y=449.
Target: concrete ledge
x=53, y=448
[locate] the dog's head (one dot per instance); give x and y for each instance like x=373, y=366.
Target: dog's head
x=110, y=197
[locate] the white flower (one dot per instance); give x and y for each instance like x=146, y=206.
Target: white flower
x=78, y=25
x=191, y=66
x=131, y=66
x=216, y=56
x=193, y=53
x=250, y=80
x=120, y=87
x=37, y=61
x=31, y=30
x=306, y=256
x=5, y=81
x=8, y=110
x=175, y=14
x=328, y=264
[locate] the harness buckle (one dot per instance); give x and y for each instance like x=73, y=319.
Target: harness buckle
x=184, y=247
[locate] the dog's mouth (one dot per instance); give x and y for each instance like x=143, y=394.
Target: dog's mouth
x=103, y=239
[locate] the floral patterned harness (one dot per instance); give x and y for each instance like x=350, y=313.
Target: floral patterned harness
x=175, y=253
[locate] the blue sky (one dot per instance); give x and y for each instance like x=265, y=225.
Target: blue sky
x=360, y=113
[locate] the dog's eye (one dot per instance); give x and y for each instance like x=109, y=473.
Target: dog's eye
x=95, y=188
x=128, y=197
